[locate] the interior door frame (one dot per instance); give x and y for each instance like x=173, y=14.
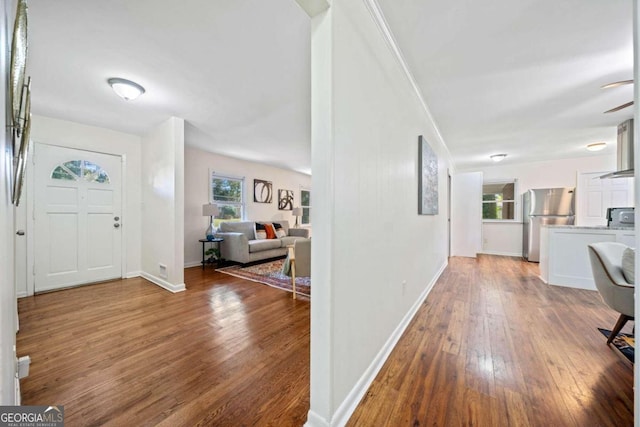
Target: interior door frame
x=30, y=200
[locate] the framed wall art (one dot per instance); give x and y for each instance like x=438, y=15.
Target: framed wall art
x=22, y=148
x=20, y=95
x=262, y=191
x=427, y=179
x=285, y=200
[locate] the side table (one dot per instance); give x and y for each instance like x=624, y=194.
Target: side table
x=217, y=240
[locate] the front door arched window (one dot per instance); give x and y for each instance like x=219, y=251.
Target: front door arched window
x=80, y=170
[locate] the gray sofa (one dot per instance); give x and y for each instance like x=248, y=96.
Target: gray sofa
x=240, y=244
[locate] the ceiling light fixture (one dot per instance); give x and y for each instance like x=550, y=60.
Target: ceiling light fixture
x=125, y=89
x=596, y=146
x=498, y=157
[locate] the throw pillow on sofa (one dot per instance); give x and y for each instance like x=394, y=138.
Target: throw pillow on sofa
x=280, y=233
x=271, y=232
x=261, y=233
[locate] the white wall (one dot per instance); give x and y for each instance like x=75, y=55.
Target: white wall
x=636, y=154
x=8, y=311
x=163, y=205
x=506, y=238
x=374, y=258
x=199, y=163
x=84, y=137
x=466, y=214
x=550, y=173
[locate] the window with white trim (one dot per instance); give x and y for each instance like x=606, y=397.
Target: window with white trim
x=305, y=204
x=228, y=193
x=499, y=200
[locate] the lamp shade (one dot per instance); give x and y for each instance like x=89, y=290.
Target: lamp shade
x=297, y=211
x=210, y=209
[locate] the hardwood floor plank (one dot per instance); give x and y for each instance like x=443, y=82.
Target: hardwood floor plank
x=520, y=353
x=491, y=346
x=130, y=353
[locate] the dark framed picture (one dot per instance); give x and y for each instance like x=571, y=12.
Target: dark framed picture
x=285, y=200
x=262, y=191
x=428, y=179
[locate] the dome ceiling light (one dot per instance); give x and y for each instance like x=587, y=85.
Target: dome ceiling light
x=597, y=146
x=497, y=157
x=125, y=89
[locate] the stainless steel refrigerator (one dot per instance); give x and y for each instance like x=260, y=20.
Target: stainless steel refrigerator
x=552, y=206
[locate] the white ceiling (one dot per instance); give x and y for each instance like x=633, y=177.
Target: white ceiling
x=517, y=77
x=237, y=71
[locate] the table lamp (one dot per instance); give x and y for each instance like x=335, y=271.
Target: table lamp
x=297, y=212
x=210, y=210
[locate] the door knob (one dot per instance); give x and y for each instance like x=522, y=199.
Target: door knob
x=116, y=225
x=20, y=232
x=116, y=218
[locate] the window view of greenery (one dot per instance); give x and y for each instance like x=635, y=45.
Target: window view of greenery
x=498, y=201
x=227, y=194
x=75, y=170
x=305, y=204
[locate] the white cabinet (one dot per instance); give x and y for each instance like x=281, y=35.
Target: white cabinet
x=595, y=195
x=564, y=256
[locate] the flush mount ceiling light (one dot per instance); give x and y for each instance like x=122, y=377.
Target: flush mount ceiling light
x=125, y=89
x=498, y=157
x=596, y=146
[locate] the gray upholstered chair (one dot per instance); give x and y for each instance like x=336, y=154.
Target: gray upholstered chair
x=302, y=248
x=616, y=292
x=298, y=262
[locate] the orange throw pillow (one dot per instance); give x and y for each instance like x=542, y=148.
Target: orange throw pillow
x=271, y=232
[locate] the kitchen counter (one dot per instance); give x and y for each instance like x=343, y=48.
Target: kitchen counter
x=564, y=257
x=589, y=227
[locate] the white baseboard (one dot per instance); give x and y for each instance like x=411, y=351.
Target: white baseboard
x=163, y=283
x=17, y=397
x=514, y=254
x=351, y=402
x=192, y=264
x=315, y=420
x=22, y=294
x=132, y=274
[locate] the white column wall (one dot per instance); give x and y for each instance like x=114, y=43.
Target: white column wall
x=636, y=130
x=163, y=205
x=198, y=165
x=374, y=258
x=8, y=309
x=466, y=214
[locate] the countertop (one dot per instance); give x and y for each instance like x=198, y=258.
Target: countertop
x=588, y=227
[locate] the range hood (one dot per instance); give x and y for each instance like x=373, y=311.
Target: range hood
x=625, y=151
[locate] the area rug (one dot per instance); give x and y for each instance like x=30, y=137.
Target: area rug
x=625, y=343
x=270, y=273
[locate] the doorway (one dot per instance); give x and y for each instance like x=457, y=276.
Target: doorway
x=77, y=217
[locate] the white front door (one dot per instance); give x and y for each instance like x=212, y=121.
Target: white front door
x=78, y=217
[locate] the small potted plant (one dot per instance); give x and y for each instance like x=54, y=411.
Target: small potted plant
x=213, y=254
